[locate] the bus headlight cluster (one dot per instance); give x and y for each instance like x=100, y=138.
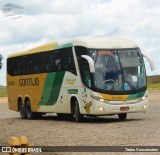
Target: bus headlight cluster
x=99, y=99
x=103, y=100
x=144, y=97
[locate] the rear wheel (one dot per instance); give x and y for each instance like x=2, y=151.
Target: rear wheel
x=22, y=110
x=29, y=112
x=122, y=116
x=78, y=117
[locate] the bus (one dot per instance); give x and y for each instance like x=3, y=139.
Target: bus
x=85, y=76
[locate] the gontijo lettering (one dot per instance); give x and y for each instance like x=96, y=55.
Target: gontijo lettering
x=29, y=81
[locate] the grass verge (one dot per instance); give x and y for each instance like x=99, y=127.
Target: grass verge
x=154, y=86
x=3, y=94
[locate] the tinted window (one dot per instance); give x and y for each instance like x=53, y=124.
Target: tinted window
x=83, y=65
x=50, y=61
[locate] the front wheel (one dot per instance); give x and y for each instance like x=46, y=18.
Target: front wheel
x=78, y=117
x=122, y=116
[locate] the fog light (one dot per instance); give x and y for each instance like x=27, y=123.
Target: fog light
x=101, y=109
x=144, y=106
x=144, y=97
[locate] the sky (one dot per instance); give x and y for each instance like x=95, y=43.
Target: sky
x=43, y=21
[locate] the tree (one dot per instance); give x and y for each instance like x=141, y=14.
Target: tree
x=1, y=61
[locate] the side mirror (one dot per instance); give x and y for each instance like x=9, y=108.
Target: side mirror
x=151, y=62
x=90, y=62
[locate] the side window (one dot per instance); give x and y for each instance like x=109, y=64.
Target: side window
x=30, y=64
x=43, y=61
x=25, y=65
x=86, y=73
x=51, y=67
x=63, y=60
x=69, y=60
x=20, y=65
x=58, y=61
x=50, y=61
x=36, y=66
x=80, y=51
x=83, y=65
x=10, y=66
x=16, y=65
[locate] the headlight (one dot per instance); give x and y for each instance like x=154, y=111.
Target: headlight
x=101, y=109
x=144, y=97
x=101, y=100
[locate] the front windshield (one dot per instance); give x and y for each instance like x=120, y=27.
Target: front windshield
x=118, y=70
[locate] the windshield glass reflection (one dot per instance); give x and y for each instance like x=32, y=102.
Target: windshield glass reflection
x=118, y=70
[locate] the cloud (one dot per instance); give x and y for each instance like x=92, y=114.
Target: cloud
x=59, y=6
x=49, y=20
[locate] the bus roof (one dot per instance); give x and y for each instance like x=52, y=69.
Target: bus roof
x=97, y=42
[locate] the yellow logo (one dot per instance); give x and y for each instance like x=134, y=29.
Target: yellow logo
x=87, y=107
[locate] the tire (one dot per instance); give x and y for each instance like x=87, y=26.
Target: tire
x=22, y=110
x=78, y=117
x=29, y=113
x=122, y=116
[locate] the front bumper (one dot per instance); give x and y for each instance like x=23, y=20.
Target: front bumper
x=134, y=106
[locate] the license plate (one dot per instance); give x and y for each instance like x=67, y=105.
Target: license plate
x=124, y=108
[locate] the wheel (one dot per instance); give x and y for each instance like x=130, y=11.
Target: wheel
x=22, y=110
x=29, y=112
x=78, y=117
x=122, y=116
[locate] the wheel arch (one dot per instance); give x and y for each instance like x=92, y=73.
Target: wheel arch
x=19, y=100
x=73, y=98
x=26, y=99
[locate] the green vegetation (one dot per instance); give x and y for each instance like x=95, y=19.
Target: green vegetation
x=3, y=94
x=3, y=91
x=153, y=82
x=154, y=86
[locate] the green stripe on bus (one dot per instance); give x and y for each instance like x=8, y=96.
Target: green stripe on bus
x=138, y=95
x=63, y=46
x=52, y=88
